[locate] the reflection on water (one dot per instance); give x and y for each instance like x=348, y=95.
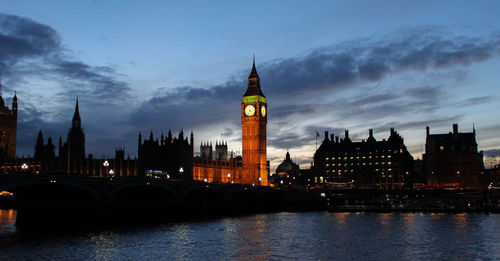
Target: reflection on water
x=7, y=221
x=299, y=236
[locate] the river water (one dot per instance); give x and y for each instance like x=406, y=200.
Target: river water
x=276, y=236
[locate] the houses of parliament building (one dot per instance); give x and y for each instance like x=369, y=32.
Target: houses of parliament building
x=171, y=157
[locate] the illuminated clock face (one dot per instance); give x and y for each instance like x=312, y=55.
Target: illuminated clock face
x=249, y=110
x=263, y=111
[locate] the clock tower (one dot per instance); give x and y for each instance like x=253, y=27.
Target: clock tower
x=253, y=123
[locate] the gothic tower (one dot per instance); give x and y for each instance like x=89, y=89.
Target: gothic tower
x=253, y=123
x=76, y=143
x=8, y=128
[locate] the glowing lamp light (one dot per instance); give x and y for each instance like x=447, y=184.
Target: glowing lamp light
x=181, y=170
x=205, y=180
x=105, y=164
x=24, y=166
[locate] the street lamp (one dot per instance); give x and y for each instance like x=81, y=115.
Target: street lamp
x=24, y=167
x=111, y=172
x=260, y=179
x=181, y=170
x=106, y=165
x=228, y=177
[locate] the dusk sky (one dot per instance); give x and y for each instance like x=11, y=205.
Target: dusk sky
x=324, y=65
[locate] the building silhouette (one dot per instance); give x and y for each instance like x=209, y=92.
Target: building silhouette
x=253, y=167
x=8, y=128
x=287, y=174
x=172, y=156
x=71, y=158
x=452, y=160
x=384, y=164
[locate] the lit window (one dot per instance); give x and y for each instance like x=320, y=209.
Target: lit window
x=441, y=147
x=327, y=164
x=345, y=158
x=389, y=163
x=351, y=157
x=389, y=169
x=376, y=169
x=352, y=170
x=382, y=156
x=364, y=157
x=327, y=158
x=389, y=156
x=370, y=157
x=333, y=164
x=376, y=163
x=364, y=163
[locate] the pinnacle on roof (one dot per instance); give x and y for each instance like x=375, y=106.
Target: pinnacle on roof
x=253, y=82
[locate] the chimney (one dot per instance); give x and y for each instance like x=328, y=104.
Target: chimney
x=427, y=130
x=455, y=128
x=337, y=139
x=346, y=136
x=326, y=135
x=370, y=133
x=331, y=136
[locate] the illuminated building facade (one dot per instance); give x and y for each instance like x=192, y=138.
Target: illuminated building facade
x=384, y=164
x=452, y=160
x=8, y=129
x=253, y=167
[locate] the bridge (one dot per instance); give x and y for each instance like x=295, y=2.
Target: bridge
x=67, y=198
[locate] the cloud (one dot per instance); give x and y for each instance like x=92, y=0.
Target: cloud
x=334, y=87
x=30, y=53
x=30, y=49
x=492, y=153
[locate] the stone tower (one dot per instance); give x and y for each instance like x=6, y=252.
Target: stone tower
x=253, y=123
x=8, y=128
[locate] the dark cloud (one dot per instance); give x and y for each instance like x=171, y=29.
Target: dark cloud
x=339, y=67
x=30, y=49
x=492, y=153
x=475, y=101
x=297, y=88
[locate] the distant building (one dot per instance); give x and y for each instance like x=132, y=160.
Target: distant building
x=452, y=160
x=384, y=164
x=8, y=129
x=288, y=174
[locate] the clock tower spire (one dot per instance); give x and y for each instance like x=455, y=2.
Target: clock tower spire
x=254, y=125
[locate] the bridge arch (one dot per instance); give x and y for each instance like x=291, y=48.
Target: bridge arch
x=143, y=194
x=205, y=201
